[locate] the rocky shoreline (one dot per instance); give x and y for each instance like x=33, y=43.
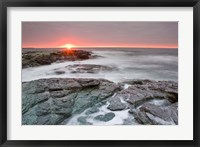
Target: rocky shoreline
x=38, y=58
x=55, y=101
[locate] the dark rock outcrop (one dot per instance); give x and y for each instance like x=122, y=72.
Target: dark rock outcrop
x=152, y=114
x=92, y=110
x=83, y=121
x=150, y=102
x=106, y=117
x=51, y=101
x=141, y=91
x=37, y=58
x=116, y=104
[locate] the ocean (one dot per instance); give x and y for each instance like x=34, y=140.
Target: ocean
x=152, y=64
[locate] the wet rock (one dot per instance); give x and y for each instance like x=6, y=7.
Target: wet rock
x=107, y=117
x=137, y=82
x=151, y=114
x=30, y=100
x=52, y=101
x=36, y=87
x=83, y=121
x=92, y=110
x=130, y=121
x=44, y=120
x=43, y=109
x=142, y=91
x=62, y=106
x=38, y=58
x=89, y=82
x=140, y=117
x=156, y=111
x=58, y=84
x=116, y=104
x=174, y=105
x=107, y=89
x=58, y=98
x=62, y=93
x=84, y=100
x=59, y=72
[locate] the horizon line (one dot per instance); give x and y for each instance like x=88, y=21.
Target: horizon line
x=79, y=47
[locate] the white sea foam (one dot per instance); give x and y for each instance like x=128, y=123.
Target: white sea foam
x=119, y=118
x=131, y=64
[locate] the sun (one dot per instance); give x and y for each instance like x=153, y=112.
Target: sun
x=68, y=46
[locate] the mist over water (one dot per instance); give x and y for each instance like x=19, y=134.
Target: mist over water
x=153, y=64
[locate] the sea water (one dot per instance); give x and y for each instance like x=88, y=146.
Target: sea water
x=153, y=64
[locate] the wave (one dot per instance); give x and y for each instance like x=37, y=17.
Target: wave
x=131, y=64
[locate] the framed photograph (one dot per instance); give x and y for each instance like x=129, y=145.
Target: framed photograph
x=99, y=73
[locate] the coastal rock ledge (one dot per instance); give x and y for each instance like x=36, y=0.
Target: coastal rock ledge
x=53, y=101
x=38, y=58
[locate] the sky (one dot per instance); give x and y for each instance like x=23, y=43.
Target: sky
x=100, y=34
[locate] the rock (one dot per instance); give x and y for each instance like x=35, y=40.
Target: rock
x=172, y=111
x=59, y=72
x=89, y=82
x=36, y=87
x=130, y=121
x=92, y=110
x=58, y=98
x=81, y=54
x=137, y=82
x=166, y=114
x=152, y=102
x=145, y=90
x=62, y=106
x=31, y=100
x=83, y=121
x=89, y=68
x=151, y=114
x=55, y=100
x=136, y=95
x=58, y=84
x=84, y=100
x=43, y=109
x=140, y=117
x=175, y=105
x=38, y=58
x=116, y=104
x=107, y=88
x=93, y=94
x=62, y=93
x=44, y=120
x=107, y=117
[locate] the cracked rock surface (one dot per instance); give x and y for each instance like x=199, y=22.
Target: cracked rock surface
x=52, y=101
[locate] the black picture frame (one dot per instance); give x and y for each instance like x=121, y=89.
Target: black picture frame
x=4, y=4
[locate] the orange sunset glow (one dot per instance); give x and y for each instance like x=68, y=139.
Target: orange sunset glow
x=68, y=46
x=71, y=46
x=99, y=34
x=83, y=45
